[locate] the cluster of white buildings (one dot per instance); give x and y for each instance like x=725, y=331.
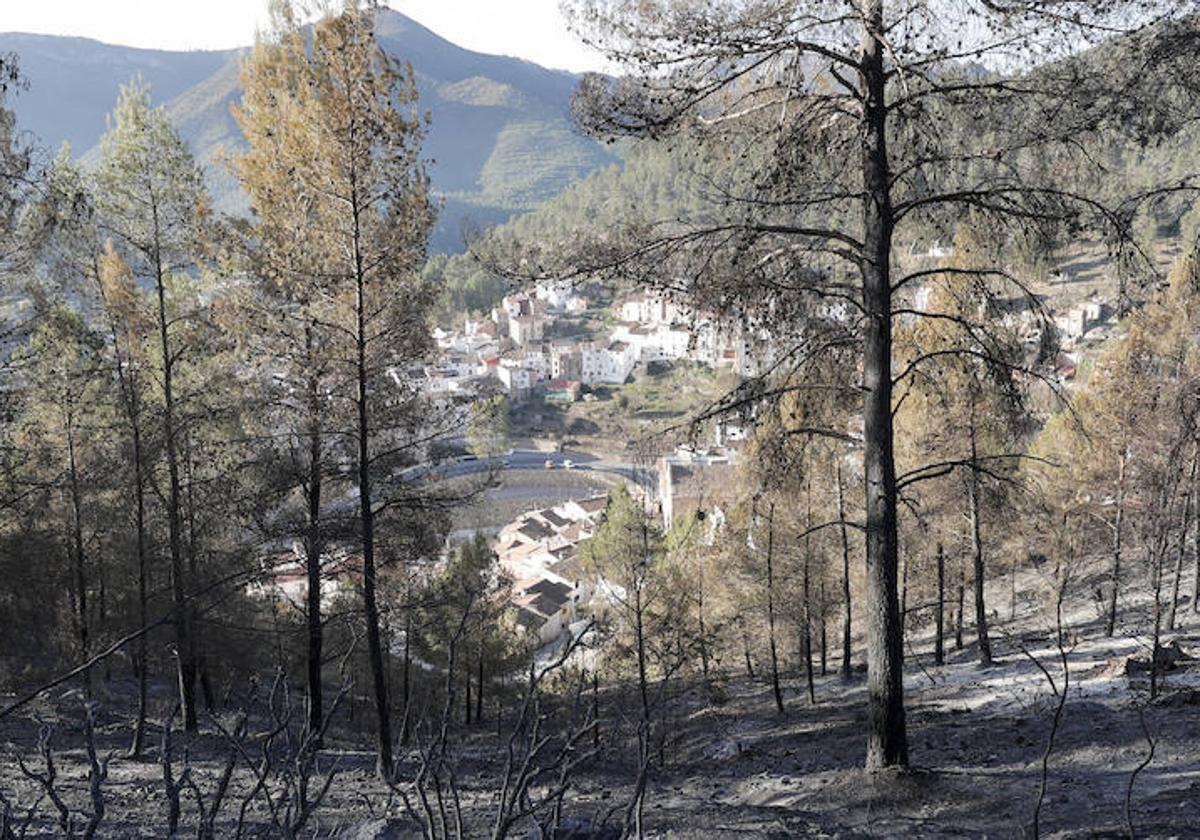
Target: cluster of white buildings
x=513, y=345
x=1090, y=320
x=539, y=551
x=515, y=348
x=659, y=328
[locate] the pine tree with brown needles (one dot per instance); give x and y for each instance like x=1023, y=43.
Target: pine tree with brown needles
x=342, y=214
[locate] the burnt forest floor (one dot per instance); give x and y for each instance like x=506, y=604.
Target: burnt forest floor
x=731, y=766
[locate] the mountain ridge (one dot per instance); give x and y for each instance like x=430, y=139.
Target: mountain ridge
x=500, y=142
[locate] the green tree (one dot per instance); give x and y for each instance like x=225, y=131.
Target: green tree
x=129, y=323
x=60, y=428
x=473, y=585
x=489, y=428
x=95, y=275
x=627, y=554
x=285, y=314
x=151, y=200
x=642, y=605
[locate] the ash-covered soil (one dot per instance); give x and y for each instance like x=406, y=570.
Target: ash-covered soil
x=731, y=767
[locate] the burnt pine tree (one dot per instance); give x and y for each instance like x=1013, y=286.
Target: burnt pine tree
x=351, y=150
x=285, y=326
x=128, y=322
x=964, y=419
x=97, y=274
x=152, y=203
x=58, y=428
x=833, y=137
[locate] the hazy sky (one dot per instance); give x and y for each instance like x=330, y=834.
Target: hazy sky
x=532, y=29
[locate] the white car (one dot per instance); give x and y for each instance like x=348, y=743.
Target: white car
x=568, y=464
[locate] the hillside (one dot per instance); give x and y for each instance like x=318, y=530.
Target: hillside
x=731, y=766
x=501, y=139
x=651, y=182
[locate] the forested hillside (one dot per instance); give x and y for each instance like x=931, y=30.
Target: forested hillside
x=681, y=177
x=650, y=183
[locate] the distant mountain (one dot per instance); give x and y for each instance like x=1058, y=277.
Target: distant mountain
x=501, y=141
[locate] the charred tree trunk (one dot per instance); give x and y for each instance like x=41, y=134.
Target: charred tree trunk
x=806, y=639
x=140, y=657
x=184, y=647
x=887, y=740
x=479, y=687
x=79, y=564
x=314, y=546
x=1110, y=624
x=1181, y=553
x=981, y=626
x=846, y=627
x=958, y=616
x=468, y=705
x=375, y=652
x=775, y=686
x=746, y=655
x=643, y=680
x=406, y=680
x=129, y=390
x=824, y=637
x=596, y=710
x=102, y=617
x=939, y=651
x=198, y=654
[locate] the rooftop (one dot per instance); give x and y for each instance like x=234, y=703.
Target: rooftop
x=535, y=530
x=568, y=569
x=553, y=518
x=558, y=593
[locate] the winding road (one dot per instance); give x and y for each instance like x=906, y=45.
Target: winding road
x=532, y=459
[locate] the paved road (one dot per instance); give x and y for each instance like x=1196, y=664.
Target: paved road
x=532, y=459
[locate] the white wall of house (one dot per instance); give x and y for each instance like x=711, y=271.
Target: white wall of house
x=526, y=329
x=604, y=365
x=653, y=308
x=516, y=380
x=557, y=294
x=553, y=628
